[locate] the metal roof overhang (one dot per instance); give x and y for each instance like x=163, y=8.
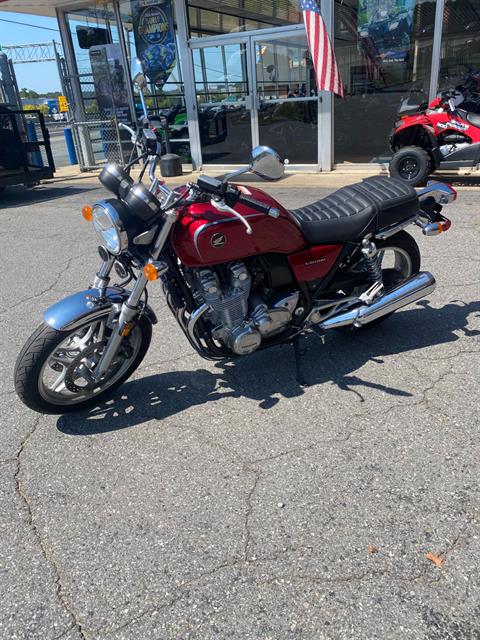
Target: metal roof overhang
x=41, y=7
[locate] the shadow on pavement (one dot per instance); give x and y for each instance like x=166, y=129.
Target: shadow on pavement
x=280, y=371
x=20, y=196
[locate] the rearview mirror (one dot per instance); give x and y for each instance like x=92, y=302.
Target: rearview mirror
x=267, y=164
x=138, y=75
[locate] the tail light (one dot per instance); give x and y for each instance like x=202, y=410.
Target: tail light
x=453, y=191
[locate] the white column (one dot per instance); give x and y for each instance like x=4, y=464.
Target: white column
x=325, y=111
x=188, y=83
x=437, y=46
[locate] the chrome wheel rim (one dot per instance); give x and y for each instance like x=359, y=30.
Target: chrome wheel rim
x=397, y=260
x=65, y=377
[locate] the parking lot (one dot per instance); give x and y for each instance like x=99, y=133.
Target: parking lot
x=274, y=497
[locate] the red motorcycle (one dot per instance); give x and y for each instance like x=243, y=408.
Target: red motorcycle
x=239, y=272
x=438, y=136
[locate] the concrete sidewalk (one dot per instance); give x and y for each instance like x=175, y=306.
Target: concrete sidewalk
x=339, y=177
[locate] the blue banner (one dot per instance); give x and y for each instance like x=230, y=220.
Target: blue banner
x=154, y=34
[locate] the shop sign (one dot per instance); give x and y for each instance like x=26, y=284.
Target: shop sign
x=154, y=38
x=62, y=104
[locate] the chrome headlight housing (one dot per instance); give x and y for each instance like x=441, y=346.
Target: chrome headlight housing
x=110, y=227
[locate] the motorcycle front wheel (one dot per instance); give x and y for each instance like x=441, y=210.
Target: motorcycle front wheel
x=53, y=370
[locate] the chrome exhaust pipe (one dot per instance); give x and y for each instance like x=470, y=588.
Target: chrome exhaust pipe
x=415, y=288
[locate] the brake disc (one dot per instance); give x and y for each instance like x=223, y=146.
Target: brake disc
x=79, y=368
x=83, y=366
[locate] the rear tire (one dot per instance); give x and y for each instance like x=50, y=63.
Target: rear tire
x=412, y=165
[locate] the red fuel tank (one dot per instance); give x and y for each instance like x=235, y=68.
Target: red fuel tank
x=205, y=236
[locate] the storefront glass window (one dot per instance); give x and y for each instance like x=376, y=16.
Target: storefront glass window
x=170, y=93
x=384, y=51
x=460, y=56
x=92, y=29
x=214, y=17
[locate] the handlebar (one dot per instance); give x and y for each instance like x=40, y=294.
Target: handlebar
x=256, y=204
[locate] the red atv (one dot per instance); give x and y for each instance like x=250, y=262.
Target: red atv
x=438, y=136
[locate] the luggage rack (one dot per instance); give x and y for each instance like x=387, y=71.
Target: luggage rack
x=25, y=152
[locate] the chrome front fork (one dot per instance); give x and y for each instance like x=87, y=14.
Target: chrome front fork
x=102, y=277
x=130, y=308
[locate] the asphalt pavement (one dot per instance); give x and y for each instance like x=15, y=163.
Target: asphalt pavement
x=274, y=497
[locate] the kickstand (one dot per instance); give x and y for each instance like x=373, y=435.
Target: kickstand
x=298, y=353
x=316, y=331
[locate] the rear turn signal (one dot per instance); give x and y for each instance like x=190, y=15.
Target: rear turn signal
x=435, y=228
x=87, y=213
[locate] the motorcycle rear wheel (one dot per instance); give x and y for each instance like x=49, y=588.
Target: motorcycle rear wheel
x=51, y=372
x=403, y=251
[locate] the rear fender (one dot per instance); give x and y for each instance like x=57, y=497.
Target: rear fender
x=70, y=312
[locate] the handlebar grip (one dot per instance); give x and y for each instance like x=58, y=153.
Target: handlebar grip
x=255, y=204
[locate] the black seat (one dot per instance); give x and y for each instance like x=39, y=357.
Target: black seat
x=473, y=119
x=356, y=210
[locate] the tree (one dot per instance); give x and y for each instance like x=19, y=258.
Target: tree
x=28, y=93
x=43, y=108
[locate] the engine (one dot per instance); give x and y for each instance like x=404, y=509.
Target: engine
x=240, y=316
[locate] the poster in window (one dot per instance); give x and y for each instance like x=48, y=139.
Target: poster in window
x=109, y=81
x=387, y=26
x=154, y=34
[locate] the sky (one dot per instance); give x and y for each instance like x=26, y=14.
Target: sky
x=39, y=76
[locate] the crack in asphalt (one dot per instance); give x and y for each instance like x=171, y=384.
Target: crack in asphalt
x=46, y=551
x=470, y=518
x=439, y=358
x=64, y=633
x=65, y=266
x=423, y=401
x=248, y=512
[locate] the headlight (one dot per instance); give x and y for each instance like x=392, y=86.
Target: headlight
x=109, y=227
x=393, y=25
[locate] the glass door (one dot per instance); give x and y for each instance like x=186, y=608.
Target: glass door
x=256, y=89
x=286, y=97
x=223, y=102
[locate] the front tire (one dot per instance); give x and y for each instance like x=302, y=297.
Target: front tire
x=48, y=350
x=412, y=165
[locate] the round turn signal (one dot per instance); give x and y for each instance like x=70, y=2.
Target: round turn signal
x=87, y=213
x=150, y=271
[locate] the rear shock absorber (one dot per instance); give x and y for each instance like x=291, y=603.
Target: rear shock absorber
x=372, y=260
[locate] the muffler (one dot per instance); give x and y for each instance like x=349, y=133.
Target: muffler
x=413, y=289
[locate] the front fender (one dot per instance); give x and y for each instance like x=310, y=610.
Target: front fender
x=70, y=312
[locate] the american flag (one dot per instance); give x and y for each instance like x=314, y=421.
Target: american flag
x=324, y=62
